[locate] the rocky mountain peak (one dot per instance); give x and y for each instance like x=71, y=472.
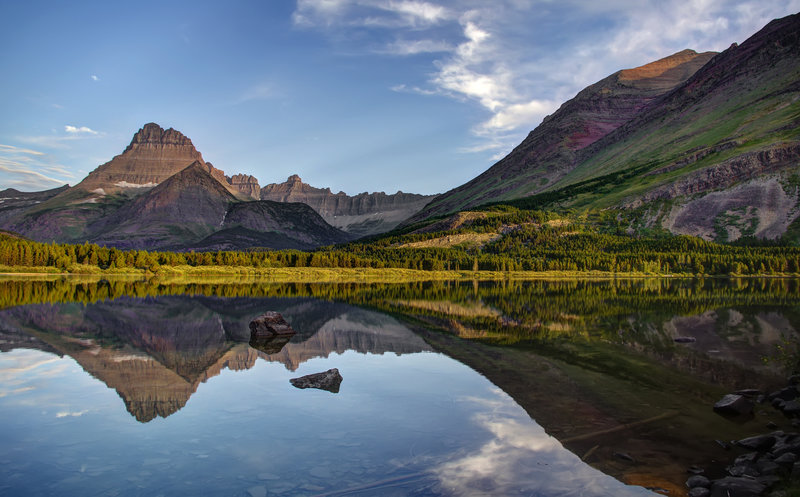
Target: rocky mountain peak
x=360, y=215
x=154, y=134
x=658, y=67
x=246, y=184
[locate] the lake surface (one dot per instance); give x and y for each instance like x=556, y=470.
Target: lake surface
x=152, y=388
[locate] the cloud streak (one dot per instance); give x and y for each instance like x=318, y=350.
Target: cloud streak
x=30, y=170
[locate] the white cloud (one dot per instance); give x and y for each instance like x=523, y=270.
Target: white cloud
x=74, y=414
x=375, y=13
x=417, y=13
x=95, y=78
x=79, y=129
x=518, y=115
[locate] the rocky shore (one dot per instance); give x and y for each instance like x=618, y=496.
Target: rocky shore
x=768, y=464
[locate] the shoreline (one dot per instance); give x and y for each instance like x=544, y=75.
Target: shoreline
x=350, y=275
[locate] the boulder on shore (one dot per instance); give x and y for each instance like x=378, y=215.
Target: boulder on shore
x=269, y=325
x=732, y=486
x=733, y=405
x=327, y=380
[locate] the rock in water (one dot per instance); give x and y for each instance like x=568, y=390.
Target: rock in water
x=268, y=325
x=733, y=405
x=328, y=380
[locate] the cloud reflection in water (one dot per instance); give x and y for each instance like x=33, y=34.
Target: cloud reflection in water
x=521, y=459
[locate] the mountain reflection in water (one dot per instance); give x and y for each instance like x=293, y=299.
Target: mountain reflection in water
x=155, y=352
x=594, y=363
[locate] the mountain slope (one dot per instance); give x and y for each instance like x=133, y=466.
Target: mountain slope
x=716, y=157
x=551, y=150
x=360, y=215
x=272, y=225
x=185, y=207
x=12, y=201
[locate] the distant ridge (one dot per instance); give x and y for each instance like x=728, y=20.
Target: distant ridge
x=360, y=215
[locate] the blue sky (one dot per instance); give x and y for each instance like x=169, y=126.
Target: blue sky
x=356, y=95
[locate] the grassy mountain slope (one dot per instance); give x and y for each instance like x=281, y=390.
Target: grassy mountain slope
x=552, y=149
x=716, y=157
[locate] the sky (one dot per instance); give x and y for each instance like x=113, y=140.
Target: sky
x=356, y=95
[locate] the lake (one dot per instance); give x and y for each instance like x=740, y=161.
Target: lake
x=547, y=388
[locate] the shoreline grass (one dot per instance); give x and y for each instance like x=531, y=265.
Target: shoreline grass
x=343, y=275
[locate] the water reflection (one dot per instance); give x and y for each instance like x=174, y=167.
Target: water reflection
x=156, y=352
x=595, y=363
x=404, y=425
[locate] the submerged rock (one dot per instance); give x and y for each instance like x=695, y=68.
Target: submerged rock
x=733, y=405
x=328, y=380
x=270, y=324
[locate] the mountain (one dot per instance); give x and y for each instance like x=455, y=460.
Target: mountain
x=551, y=150
x=153, y=155
x=192, y=209
x=272, y=224
x=160, y=194
x=711, y=151
x=360, y=215
x=189, y=205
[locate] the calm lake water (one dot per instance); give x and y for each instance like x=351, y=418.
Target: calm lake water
x=537, y=388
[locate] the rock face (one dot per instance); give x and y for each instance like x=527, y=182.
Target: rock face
x=153, y=155
x=246, y=184
x=360, y=215
x=329, y=380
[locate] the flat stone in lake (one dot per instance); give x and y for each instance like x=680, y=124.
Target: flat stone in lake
x=327, y=380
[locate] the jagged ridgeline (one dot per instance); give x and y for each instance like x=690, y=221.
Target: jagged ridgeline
x=160, y=193
x=702, y=144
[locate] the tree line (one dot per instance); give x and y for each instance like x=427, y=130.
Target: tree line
x=522, y=241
